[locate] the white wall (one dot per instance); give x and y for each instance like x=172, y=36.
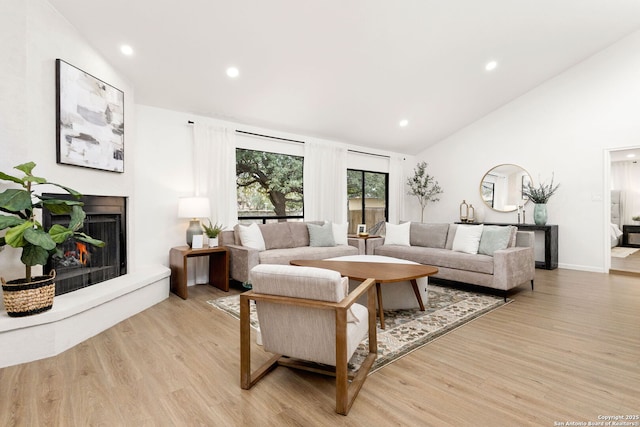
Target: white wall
x=164, y=153
x=564, y=127
x=32, y=36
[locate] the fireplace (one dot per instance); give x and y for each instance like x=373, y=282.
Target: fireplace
x=83, y=265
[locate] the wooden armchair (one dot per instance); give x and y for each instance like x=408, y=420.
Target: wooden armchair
x=306, y=316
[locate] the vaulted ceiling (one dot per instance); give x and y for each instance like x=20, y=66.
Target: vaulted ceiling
x=347, y=70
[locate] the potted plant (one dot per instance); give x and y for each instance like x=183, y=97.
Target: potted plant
x=424, y=187
x=31, y=295
x=540, y=196
x=212, y=232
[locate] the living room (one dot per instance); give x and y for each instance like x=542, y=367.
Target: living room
x=565, y=126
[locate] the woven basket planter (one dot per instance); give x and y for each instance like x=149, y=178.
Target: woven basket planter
x=22, y=298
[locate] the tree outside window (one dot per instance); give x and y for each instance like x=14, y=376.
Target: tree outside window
x=269, y=185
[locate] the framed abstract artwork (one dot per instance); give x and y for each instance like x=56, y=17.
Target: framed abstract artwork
x=89, y=120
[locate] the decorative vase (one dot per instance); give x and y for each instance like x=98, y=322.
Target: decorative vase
x=464, y=211
x=213, y=242
x=540, y=214
x=195, y=229
x=472, y=214
x=22, y=298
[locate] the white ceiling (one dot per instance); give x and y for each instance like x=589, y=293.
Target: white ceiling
x=347, y=70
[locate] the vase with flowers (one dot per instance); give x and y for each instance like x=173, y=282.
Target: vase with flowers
x=540, y=195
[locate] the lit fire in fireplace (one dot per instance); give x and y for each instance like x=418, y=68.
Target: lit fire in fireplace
x=76, y=258
x=83, y=255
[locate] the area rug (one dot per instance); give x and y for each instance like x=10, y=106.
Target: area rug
x=406, y=330
x=620, y=252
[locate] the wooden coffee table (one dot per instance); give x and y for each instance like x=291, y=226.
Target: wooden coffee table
x=381, y=272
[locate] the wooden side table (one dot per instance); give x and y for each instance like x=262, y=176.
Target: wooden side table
x=218, y=267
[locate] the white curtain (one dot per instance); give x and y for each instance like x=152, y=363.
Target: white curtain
x=325, y=182
x=214, y=170
x=625, y=176
x=396, y=189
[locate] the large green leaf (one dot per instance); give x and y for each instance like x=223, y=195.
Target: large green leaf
x=34, y=255
x=5, y=177
x=60, y=233
x=87, y=239
x=35, y=179
x=15, y=235
x=15, y=200
x=9, y=221
x=26, y=167
x=77, y=218
x=67, y=189
x=38, y=237
x=60, y=207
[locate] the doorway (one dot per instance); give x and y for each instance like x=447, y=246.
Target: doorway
x=624, y=179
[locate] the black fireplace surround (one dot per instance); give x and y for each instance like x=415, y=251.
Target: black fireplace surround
x=83, y=265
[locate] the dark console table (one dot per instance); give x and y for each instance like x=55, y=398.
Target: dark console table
x=631, y=236
x=550, y=242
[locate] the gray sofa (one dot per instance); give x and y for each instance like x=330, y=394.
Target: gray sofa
x=432, y=244
x=284, y=242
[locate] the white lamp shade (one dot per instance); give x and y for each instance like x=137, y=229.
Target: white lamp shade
x=194, y=207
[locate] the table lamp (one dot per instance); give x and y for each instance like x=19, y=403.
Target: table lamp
x=194, y=208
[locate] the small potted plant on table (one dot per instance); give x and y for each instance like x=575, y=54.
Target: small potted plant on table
x=31, y=295
x=212, y=232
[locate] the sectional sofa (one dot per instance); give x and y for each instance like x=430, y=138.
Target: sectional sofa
x=497, y=257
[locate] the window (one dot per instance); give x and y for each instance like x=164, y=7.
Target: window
x=368, y=198
x=269, y=185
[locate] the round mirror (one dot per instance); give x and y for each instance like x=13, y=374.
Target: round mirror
x=501, y=187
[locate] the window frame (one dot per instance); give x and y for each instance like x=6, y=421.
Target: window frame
x=362, y=193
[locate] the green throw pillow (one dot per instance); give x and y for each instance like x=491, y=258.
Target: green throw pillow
x=321, y=235
x=494, y=237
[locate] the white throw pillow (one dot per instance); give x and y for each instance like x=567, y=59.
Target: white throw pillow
x=340, y=233
x=398, y=234
x=467, y=238
x=251, y=237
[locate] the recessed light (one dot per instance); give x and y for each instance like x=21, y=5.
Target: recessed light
x=631, y=155
x=491, y=65
x=233, y=72
x=403, y=123
x=126, y=50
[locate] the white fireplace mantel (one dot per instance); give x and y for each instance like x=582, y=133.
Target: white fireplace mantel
x=81, y=314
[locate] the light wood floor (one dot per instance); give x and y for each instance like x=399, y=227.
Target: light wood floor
x=630, y=264
x=568, y=351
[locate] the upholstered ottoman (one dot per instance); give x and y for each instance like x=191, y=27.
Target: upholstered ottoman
x=395, y=296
